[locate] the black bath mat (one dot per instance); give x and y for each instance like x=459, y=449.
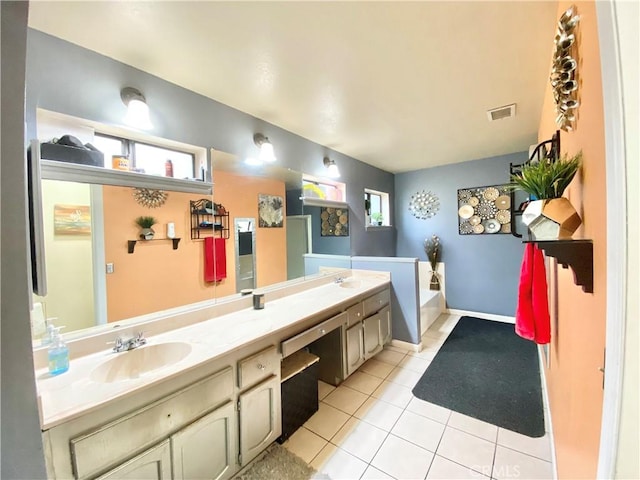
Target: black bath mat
x=486, y=371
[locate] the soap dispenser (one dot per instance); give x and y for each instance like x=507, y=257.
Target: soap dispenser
x=49, y=329
x=58, y=354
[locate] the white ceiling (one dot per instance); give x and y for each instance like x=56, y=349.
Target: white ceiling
x=398, y=85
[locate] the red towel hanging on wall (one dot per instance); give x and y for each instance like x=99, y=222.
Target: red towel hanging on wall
x=215, y=259
x=532, y=314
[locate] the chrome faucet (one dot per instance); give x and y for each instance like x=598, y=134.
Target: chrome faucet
x=339, y=279
x=134, y=342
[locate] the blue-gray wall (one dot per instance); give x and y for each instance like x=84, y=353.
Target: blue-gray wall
x=69, y=79
x=482, y=271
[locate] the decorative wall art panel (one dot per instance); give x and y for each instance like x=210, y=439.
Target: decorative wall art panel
x=334, y=222
x=270, y=211
x=424, y=205
x=71, y=220
x=484, y=210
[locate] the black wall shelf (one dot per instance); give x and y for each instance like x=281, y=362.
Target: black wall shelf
x=131, y=244
x=577, y=254
x=208, y=222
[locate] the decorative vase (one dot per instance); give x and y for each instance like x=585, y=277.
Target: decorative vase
x=147, y=234
x=551, y=219
x=434, y=283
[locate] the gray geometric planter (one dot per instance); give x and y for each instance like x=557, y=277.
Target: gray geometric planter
x=551, y=219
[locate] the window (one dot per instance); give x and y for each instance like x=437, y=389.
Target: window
x=324, y=190
x=377, y=207
x=145, y=158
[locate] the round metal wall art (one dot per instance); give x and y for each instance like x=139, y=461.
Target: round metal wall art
x=424, y=205
x=150, y=198
x=564, y=72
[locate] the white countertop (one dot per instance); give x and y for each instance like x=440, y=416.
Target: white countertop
x=74, y=393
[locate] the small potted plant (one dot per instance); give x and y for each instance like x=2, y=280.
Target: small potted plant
x=145, y=223
x=549, y=215
x=434, y=252
x=376, y=218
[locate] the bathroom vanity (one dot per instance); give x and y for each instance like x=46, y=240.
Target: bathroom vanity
x=203, y=400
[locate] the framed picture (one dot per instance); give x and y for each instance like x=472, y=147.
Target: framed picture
x=484, y=210
x=270, y=211
x=334, y=222
x=71, y=220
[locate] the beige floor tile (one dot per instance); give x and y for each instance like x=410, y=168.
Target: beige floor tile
x=443, y=469
x=337, y=464
x=390, y=357
x=346, y=399
x=379, y=413
x=393, y=393
x=402, y=459
x=429, y=410
x=372, y=473
x=324, y=389
x=536, y=447
x=359, y=438
x=403, y=376
x=376, y=368
x=466, y=449
x=422, y=431
x=396, y=348
x=363, y=382
x=473, y=426
x=424, y=354
x=305, y=444
x=510, y=464
x=326, y=421
x=416, y=364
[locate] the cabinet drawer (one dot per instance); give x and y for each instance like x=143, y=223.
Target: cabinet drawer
x=303, y=339
x=355, y=314
x=256, y=367
x=376, y=302
x=125, y=437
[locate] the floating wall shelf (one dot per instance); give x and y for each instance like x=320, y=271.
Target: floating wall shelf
x=577, y=254
x=132, y=243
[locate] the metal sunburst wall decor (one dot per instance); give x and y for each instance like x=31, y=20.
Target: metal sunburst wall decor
x=424, y=205
x=150, y=198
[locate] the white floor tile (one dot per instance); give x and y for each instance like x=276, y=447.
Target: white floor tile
x=473, y=426
x=359, y=438
x=429, y=410
x=416, y=364
x=363, y=382
x=402, y=459
x=393, y=393
x=337, y=464
x=443, y=469
x=326, y=421
x=424, y=354
x=346, y=399
x=396, y=348
x=324, y=389
x=467, y=450
x=305, y=444
x=404, y=377
x=510, y=464
x=379, y=413
x=390, y=357
x=422, y=431
x=536, y=447
x=372, y=473
x=376, y=368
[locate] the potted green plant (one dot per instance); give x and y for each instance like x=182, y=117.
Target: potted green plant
x=145, y=223
x=376, y=218
x=549, y=215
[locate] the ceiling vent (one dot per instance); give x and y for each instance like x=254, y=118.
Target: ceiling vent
x=502, y=112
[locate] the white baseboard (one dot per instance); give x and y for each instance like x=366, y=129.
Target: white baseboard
x=545, y=394
x=485, y=316
x=406, y=345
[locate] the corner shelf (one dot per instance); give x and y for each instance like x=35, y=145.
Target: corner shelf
x=131, y=244
x=199, y=215
x=577, y=254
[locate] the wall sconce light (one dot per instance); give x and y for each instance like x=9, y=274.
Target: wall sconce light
x=266, y=148
x=137, y=109
x=334, y=171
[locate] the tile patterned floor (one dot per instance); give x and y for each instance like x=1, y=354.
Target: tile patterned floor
x=372, y=427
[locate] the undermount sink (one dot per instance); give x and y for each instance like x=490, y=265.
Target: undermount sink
x=135, y=363
x=351, y=284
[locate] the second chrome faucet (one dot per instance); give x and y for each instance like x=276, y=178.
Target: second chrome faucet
x=134, y=342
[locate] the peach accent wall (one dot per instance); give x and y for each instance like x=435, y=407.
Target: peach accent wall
x=578, y=319
x=155, y=277
x=239, y=195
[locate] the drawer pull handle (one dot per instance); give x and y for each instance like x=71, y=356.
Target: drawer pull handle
x=261, y=366
x=358, y=314
x=322, y=331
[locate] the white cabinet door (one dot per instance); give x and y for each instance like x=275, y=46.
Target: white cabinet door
x=260, y=418
x=153, y=464
x=385, y=325
x=207, y=448
x=354, y=346
x=372, y=344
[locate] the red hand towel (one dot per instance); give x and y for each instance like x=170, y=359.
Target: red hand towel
x=532, y=314
x=215, y=259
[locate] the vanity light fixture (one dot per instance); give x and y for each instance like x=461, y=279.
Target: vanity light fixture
x=137, y=109
x=333, y=170
x=266, y=148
